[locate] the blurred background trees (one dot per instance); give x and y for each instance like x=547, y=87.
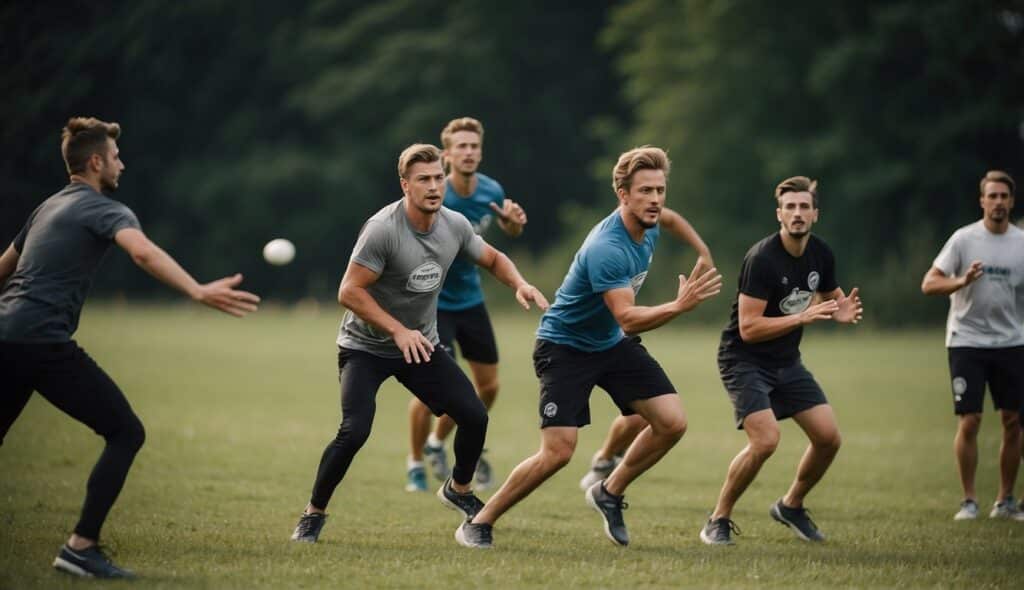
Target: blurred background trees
x=245, y=121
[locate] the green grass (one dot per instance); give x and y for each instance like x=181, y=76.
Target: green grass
x=238, y=412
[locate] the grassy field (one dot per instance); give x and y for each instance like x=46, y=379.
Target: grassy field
x=238, y=412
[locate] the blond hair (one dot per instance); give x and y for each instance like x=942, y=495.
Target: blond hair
x=798, y=184
x=461, y=124
x=642, y=158
x=997, y=176
x=414, y=154
x=83, y=137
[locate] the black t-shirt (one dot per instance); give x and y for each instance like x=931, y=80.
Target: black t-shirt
x=788, y=285
x=59, y=249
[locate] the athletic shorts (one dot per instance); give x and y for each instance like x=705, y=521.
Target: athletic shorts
x=567, y=376
x=752, y=388
x=472, y=329
x=1001, y=368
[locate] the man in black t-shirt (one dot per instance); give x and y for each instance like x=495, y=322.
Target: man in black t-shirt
x=45, y=276
x=787, y=281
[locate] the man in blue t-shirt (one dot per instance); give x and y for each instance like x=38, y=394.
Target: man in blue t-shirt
x=45, y=276
x=582, y=342
x=461, y=314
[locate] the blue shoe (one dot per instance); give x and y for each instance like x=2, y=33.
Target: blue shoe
x=88, y=563
x=798, y=520
x=417, y=479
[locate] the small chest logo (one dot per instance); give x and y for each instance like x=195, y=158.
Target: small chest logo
x=425, y=278
x=550, y=409
x=637, y=282
x=795, y=302
x=812, y=280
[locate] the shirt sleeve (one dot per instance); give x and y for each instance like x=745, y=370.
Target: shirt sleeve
x=949, y=258
x=471, y=245
x=371, y=249
x=756, y=278
x=109, y=218
x=19, y=240
x=607, y=268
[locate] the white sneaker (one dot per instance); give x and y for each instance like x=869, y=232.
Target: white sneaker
x=1006, y=509
x=968, y=510
x=599, y=469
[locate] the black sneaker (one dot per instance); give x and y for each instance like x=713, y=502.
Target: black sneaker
x=719, y=531
x=797, y=519
x=473, y=535
x=89, y=563
x=309, y=527
x=610, y=507
x=468, y=504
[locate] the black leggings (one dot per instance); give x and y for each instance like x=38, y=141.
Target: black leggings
x=439, y=384
x=68, y=378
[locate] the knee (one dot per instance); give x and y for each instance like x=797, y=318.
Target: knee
x=353, y=432
x=763, y=446
x=830, y=442
x=557, y=456
x=969, y=425
x=488, y=390
x=131, y=436
x=1011, y=423
x=673, y=428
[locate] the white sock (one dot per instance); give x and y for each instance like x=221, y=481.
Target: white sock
x=435, y=442
x=410, y=463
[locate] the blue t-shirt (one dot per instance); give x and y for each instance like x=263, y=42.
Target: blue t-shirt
x=461, y=288
x=608, y=259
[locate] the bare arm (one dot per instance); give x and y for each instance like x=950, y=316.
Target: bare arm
x=353, y=295
x=8, y=262
x=756, y=327
x=220, y=294
x=511, y=217
x=936, y=282
x=503, y=269
x=678, y=226
x=637, y=318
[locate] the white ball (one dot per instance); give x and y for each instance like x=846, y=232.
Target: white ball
x=279, y=252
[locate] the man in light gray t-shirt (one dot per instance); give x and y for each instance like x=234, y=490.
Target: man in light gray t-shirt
x=981, y=268
x=390, y=289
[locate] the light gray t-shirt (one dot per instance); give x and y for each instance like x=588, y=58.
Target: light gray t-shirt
x=412, y=267
x=59, y=248
x=988, y=313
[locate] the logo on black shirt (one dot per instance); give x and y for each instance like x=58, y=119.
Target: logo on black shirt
x=796, y=301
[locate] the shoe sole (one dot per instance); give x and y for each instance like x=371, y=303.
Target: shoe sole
x=461, y=540
x=414, y=488
x=70, y=568
x=709, y=541
x=444, y=500
x=777, y=515
x=607, y=529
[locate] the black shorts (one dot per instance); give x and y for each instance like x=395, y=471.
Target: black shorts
x=752, y=388
x=472, y=329
x=568, y=375
x=1002, y=368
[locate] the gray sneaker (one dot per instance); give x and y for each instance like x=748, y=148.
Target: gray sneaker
x=309, y=527
x=610, y=508
x=437, y=459
x=719, y=531
x=90, y=562
x=599, y=469
x=968, y=510
x=1006, y=509
x=478, y=536
x=797, y=519
x=468, y=504
x=483, y=476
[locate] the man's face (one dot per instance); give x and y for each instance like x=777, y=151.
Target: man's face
x=464, y=152
x=110, y=167
x=645, y=197
x=424, y=186
x=796, y=213
x=996, y=201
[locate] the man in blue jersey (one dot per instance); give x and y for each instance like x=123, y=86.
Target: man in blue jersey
x=461, y=314
x=45, y=275
x=582, y=342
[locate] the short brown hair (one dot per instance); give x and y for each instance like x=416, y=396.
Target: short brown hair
x=461, y=124
x=83, y=137
x=997, y=176
x=798, y=184
x=417, y=152
x=642, y=158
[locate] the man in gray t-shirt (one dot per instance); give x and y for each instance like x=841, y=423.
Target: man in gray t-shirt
x=981, y=268
x=44, y=278
x=390, y=289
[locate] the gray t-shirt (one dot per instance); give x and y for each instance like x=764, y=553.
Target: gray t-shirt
x=412, y=267
x=59, y=249
x=988, y=313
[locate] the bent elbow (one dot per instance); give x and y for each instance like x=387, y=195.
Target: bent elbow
x=143, y=256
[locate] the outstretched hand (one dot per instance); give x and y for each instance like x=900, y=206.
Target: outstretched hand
x=527, y=293
x=510, y=212
x=222, y=296
x=414, y=346
x=849, y=309
x=973, y=273
x=702, y=284
x=821, y=311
